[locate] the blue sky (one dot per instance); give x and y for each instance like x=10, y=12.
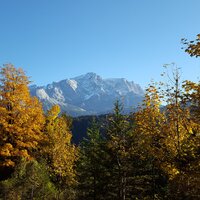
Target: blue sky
x=57, y=39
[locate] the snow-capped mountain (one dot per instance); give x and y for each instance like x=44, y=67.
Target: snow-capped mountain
x=88, y=94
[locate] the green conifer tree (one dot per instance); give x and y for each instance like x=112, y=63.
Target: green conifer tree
x=90, y=166
x=118, y=150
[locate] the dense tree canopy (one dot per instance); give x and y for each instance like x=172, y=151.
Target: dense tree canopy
x=21, y=118
x=57, y=149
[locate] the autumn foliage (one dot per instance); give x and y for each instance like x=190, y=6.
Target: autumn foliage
x=29, y=140
x=153, y=153
x=21, y=119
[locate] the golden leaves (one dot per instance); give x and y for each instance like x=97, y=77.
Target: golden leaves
x=22, y=116
x=58, y=148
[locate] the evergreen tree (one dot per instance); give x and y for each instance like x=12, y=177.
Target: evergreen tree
x=118, y=150
x=90, y=166
x=29, y=181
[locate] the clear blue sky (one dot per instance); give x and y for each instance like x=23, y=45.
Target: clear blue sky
x=57, y=39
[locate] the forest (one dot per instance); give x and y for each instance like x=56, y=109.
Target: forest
x=153, y=153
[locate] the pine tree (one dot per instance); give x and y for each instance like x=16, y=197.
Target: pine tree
x=90, y=166
x=118, y=147
x=21, y=117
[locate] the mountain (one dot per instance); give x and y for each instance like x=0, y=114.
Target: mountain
x=88, y=94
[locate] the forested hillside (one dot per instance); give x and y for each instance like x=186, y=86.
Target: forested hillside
x=151, y=154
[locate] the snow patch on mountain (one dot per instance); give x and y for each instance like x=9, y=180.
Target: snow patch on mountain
x=73, y=84
x=41, y=94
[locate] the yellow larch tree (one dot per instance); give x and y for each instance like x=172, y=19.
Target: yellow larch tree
x=21, y=117
x=192, y=97
x=58, y=150
x=181, y=136
x=149, y=122
x=192, y=47
x=180, y=126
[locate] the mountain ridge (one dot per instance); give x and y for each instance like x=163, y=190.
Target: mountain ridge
x=88, y=94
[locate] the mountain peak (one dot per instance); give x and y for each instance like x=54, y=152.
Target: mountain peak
x=89, y=94
x=89, y=75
